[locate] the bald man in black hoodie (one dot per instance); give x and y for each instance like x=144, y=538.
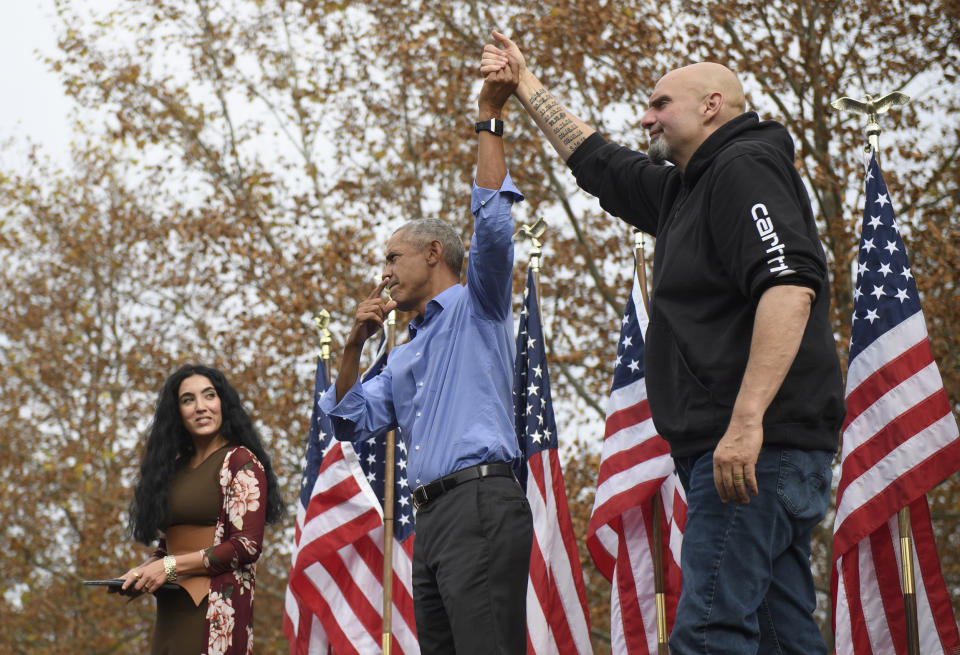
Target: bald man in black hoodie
x=742, y=371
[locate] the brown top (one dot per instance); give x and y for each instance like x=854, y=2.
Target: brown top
x=195, y=492
x=193, y=508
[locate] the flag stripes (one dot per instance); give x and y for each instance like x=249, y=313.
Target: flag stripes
x=557, y=617
x=553, y=591
x=635, y=469
x=899, y=440
x=869, y=616
x=335, y=596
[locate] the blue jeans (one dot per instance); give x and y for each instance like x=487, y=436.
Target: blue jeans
x=747, y=585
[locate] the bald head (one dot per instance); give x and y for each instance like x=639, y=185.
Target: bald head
x=687, y=105
x=707, y=78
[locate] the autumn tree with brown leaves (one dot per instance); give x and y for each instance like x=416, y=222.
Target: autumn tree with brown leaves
x=242, y=162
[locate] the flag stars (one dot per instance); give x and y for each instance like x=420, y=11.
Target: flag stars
x=906, y=273
x=538, y=371
x=531, y=342
x=634, y=365
x=536, y=437
x=862, y=268
x=882, y=199
x=885, y=269
x=872, y=315
x=891, y=247
x=875, y=222
x=533, y=389
x=372, y=458
x=902, y=295
x=867, y=245
x=627, y=341
x=857, y=293
x=371, y=477
x=877, y=291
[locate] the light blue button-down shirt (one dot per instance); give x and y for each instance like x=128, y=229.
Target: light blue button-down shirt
x=449, y=388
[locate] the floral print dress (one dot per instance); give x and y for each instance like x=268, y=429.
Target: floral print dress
x=231, y=561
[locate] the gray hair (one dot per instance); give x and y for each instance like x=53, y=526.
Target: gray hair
x=421, y=232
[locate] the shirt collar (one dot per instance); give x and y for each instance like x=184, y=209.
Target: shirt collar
x=433, y=307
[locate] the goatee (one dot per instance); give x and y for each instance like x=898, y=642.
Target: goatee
x=659, y=152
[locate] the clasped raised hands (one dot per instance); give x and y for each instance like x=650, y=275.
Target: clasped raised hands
x=501, y=77
x=496, y=58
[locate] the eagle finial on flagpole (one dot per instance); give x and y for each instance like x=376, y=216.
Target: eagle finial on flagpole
x=533, y=233
x=872, y=107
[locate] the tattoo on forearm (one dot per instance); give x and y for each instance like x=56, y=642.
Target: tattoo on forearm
x=554, y=116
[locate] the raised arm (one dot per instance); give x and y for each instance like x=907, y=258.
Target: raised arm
x=498, y=85
x=490, y=266
x=564, y=130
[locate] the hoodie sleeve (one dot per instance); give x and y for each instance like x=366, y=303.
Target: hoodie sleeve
x=625, y=182
x=761, y=222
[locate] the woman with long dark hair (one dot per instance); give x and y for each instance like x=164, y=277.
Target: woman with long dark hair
x=206, y=490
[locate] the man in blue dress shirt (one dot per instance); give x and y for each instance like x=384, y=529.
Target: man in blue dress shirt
x=448, y=391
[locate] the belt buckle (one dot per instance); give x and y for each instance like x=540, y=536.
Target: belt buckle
x=419, y=497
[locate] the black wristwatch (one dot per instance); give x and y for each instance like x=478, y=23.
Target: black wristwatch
x=494, y=125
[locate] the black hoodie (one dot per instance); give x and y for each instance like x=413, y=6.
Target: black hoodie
x=734, y=223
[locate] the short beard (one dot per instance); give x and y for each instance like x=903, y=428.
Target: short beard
x=659, y=152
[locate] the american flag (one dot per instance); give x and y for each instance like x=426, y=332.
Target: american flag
x=334, y=596
x=900, y=439
x=635, y=468
x=557, y=618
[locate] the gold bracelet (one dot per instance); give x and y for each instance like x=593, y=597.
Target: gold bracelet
x=170, y=568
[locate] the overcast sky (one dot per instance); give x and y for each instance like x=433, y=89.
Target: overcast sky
x=33, y=104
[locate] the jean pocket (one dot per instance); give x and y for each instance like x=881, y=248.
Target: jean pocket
x=803, y=485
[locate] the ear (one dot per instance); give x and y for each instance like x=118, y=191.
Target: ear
x=434, y=253
x=712, y=104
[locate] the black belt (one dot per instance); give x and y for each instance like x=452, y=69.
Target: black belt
x=433, y=490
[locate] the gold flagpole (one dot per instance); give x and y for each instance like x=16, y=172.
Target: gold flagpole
x=872, y=107
x=658, y=583
x=388, y=488
x=535, y=250
x=322, y=321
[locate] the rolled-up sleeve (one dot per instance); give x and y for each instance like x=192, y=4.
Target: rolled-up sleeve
x=365, y=411
x=490, y=267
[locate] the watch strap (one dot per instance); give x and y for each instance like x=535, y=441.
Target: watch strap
x=494, y=126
